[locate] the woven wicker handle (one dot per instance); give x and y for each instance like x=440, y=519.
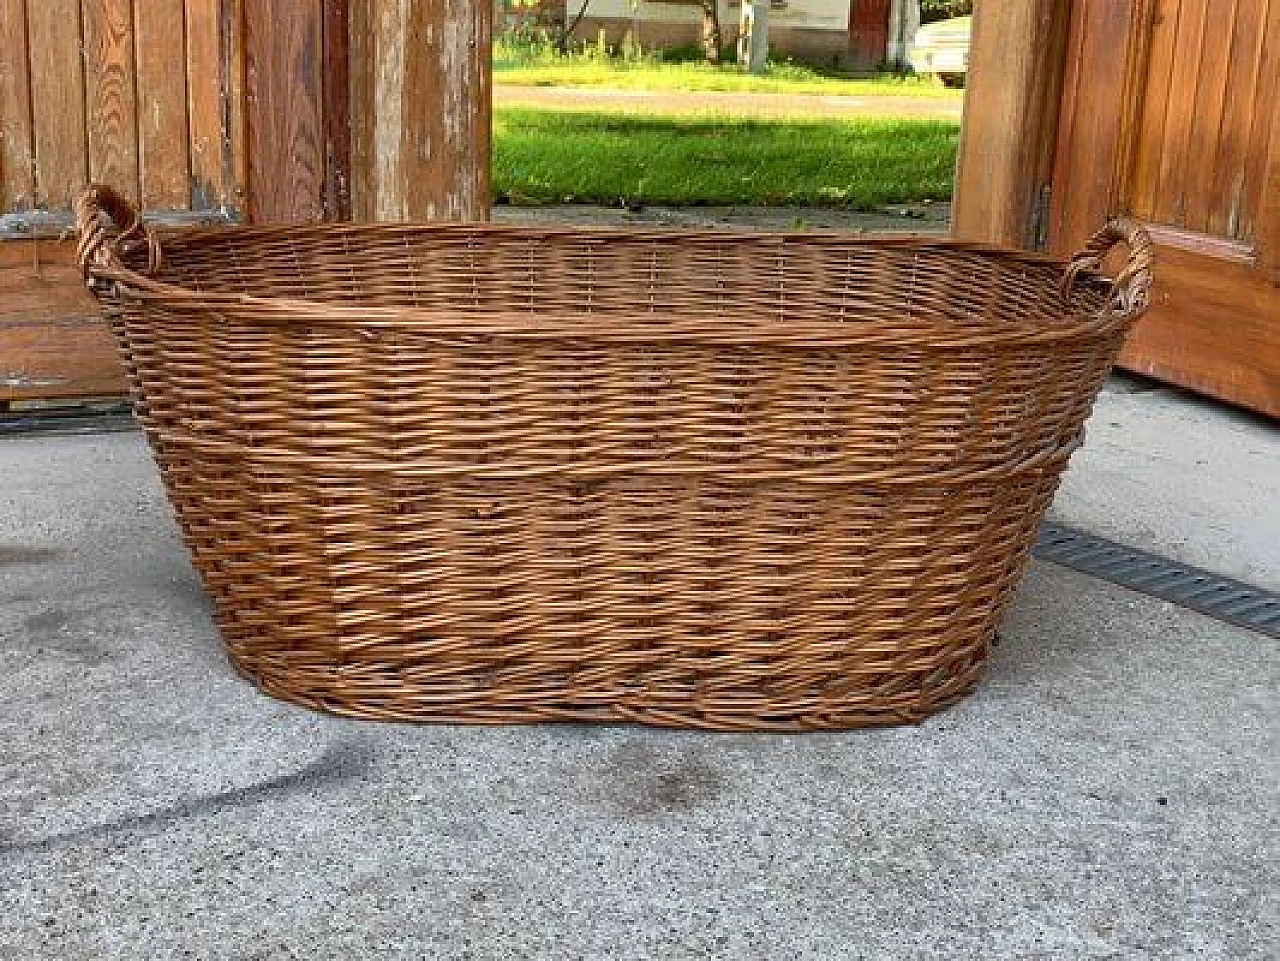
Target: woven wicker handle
x=1131, y=288
x=103, y=240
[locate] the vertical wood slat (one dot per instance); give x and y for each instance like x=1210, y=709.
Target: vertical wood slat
x=1144, y=180
x=1189, y=47
x=235, y=128
x=1108, y=52
x=207, y=188
x=1206, y=92
x=1243, y=65
x=17, y=186
x=1268, y=230
x=215, y=57
x=1011, y=115
x=337, y=110
x=1195, y=197
x=164, y=149
x=285, y=87
x=1007, y=137
x=1260, y=158
x=421, y=112
x=58, y=96
x=111, y=117
x=360, y=74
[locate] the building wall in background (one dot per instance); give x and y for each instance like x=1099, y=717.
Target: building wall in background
x=816, y=31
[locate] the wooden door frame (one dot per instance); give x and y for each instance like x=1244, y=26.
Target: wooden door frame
x=1004, y=171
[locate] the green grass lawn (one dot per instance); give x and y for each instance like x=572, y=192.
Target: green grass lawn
x=656, y=76
x=542, y=156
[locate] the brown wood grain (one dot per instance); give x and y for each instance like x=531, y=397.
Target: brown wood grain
x=1007, y=138
x=1215, y=323
x=1106, y=42
x=337, y=110
x=285, y=110
x=1260, y=154
x=235, y=87
x=421, y=110
x=58, y=98
x=360, y=74
x=1180, y=113
x=208, y=188
x=1203, y=118
x=1196, y=198
x=111, y=117
x=1195, y=242
x=1243, y=74
x=164, y=146
x=1212, y=327
x=53, y=342
x=1267, y=246
x=17, y=183
x=1144, y=178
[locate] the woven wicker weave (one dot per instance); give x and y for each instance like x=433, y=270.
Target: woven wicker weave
x=701, y=479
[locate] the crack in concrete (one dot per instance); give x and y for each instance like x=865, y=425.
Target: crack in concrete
x=342, y=760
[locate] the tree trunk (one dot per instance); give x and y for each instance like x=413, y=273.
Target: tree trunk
x=711, y=40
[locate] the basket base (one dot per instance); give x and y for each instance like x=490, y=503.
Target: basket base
x=407, y=706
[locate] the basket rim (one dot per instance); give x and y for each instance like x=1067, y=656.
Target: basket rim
x=907, y=331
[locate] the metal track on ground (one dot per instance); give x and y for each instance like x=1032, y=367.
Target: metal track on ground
x=1199, y=590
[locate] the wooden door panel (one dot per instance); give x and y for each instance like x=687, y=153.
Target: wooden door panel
x=164, y=160
x=1169, y=115
x=1244, y=81
x=1214, y=324
x=111, y=112
x=57, y=90
x=286, y=115
x=17, y=183
x=99, y=89
x=209, y=110
x=53, y=342
x=1202, y=130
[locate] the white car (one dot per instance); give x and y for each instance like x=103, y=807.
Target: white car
x=942, y=49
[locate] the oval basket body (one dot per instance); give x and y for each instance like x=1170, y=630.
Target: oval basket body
x=741, y=482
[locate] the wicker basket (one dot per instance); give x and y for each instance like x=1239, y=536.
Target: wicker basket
x=727, y=481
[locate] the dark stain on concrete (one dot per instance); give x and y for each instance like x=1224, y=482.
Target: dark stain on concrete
x=54, y=630
x=343, y=760
x=46, y=623
x=17, y=554
x=638, y=781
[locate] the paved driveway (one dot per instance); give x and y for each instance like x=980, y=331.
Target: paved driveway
x=735, y=104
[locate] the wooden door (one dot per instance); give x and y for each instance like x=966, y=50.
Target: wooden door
x=1171, y=114
x=223, y=110
x=868, y=33
x=136, y=94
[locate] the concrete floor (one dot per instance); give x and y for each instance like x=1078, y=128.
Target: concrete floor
x=1108, y=793
x=945, y=105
